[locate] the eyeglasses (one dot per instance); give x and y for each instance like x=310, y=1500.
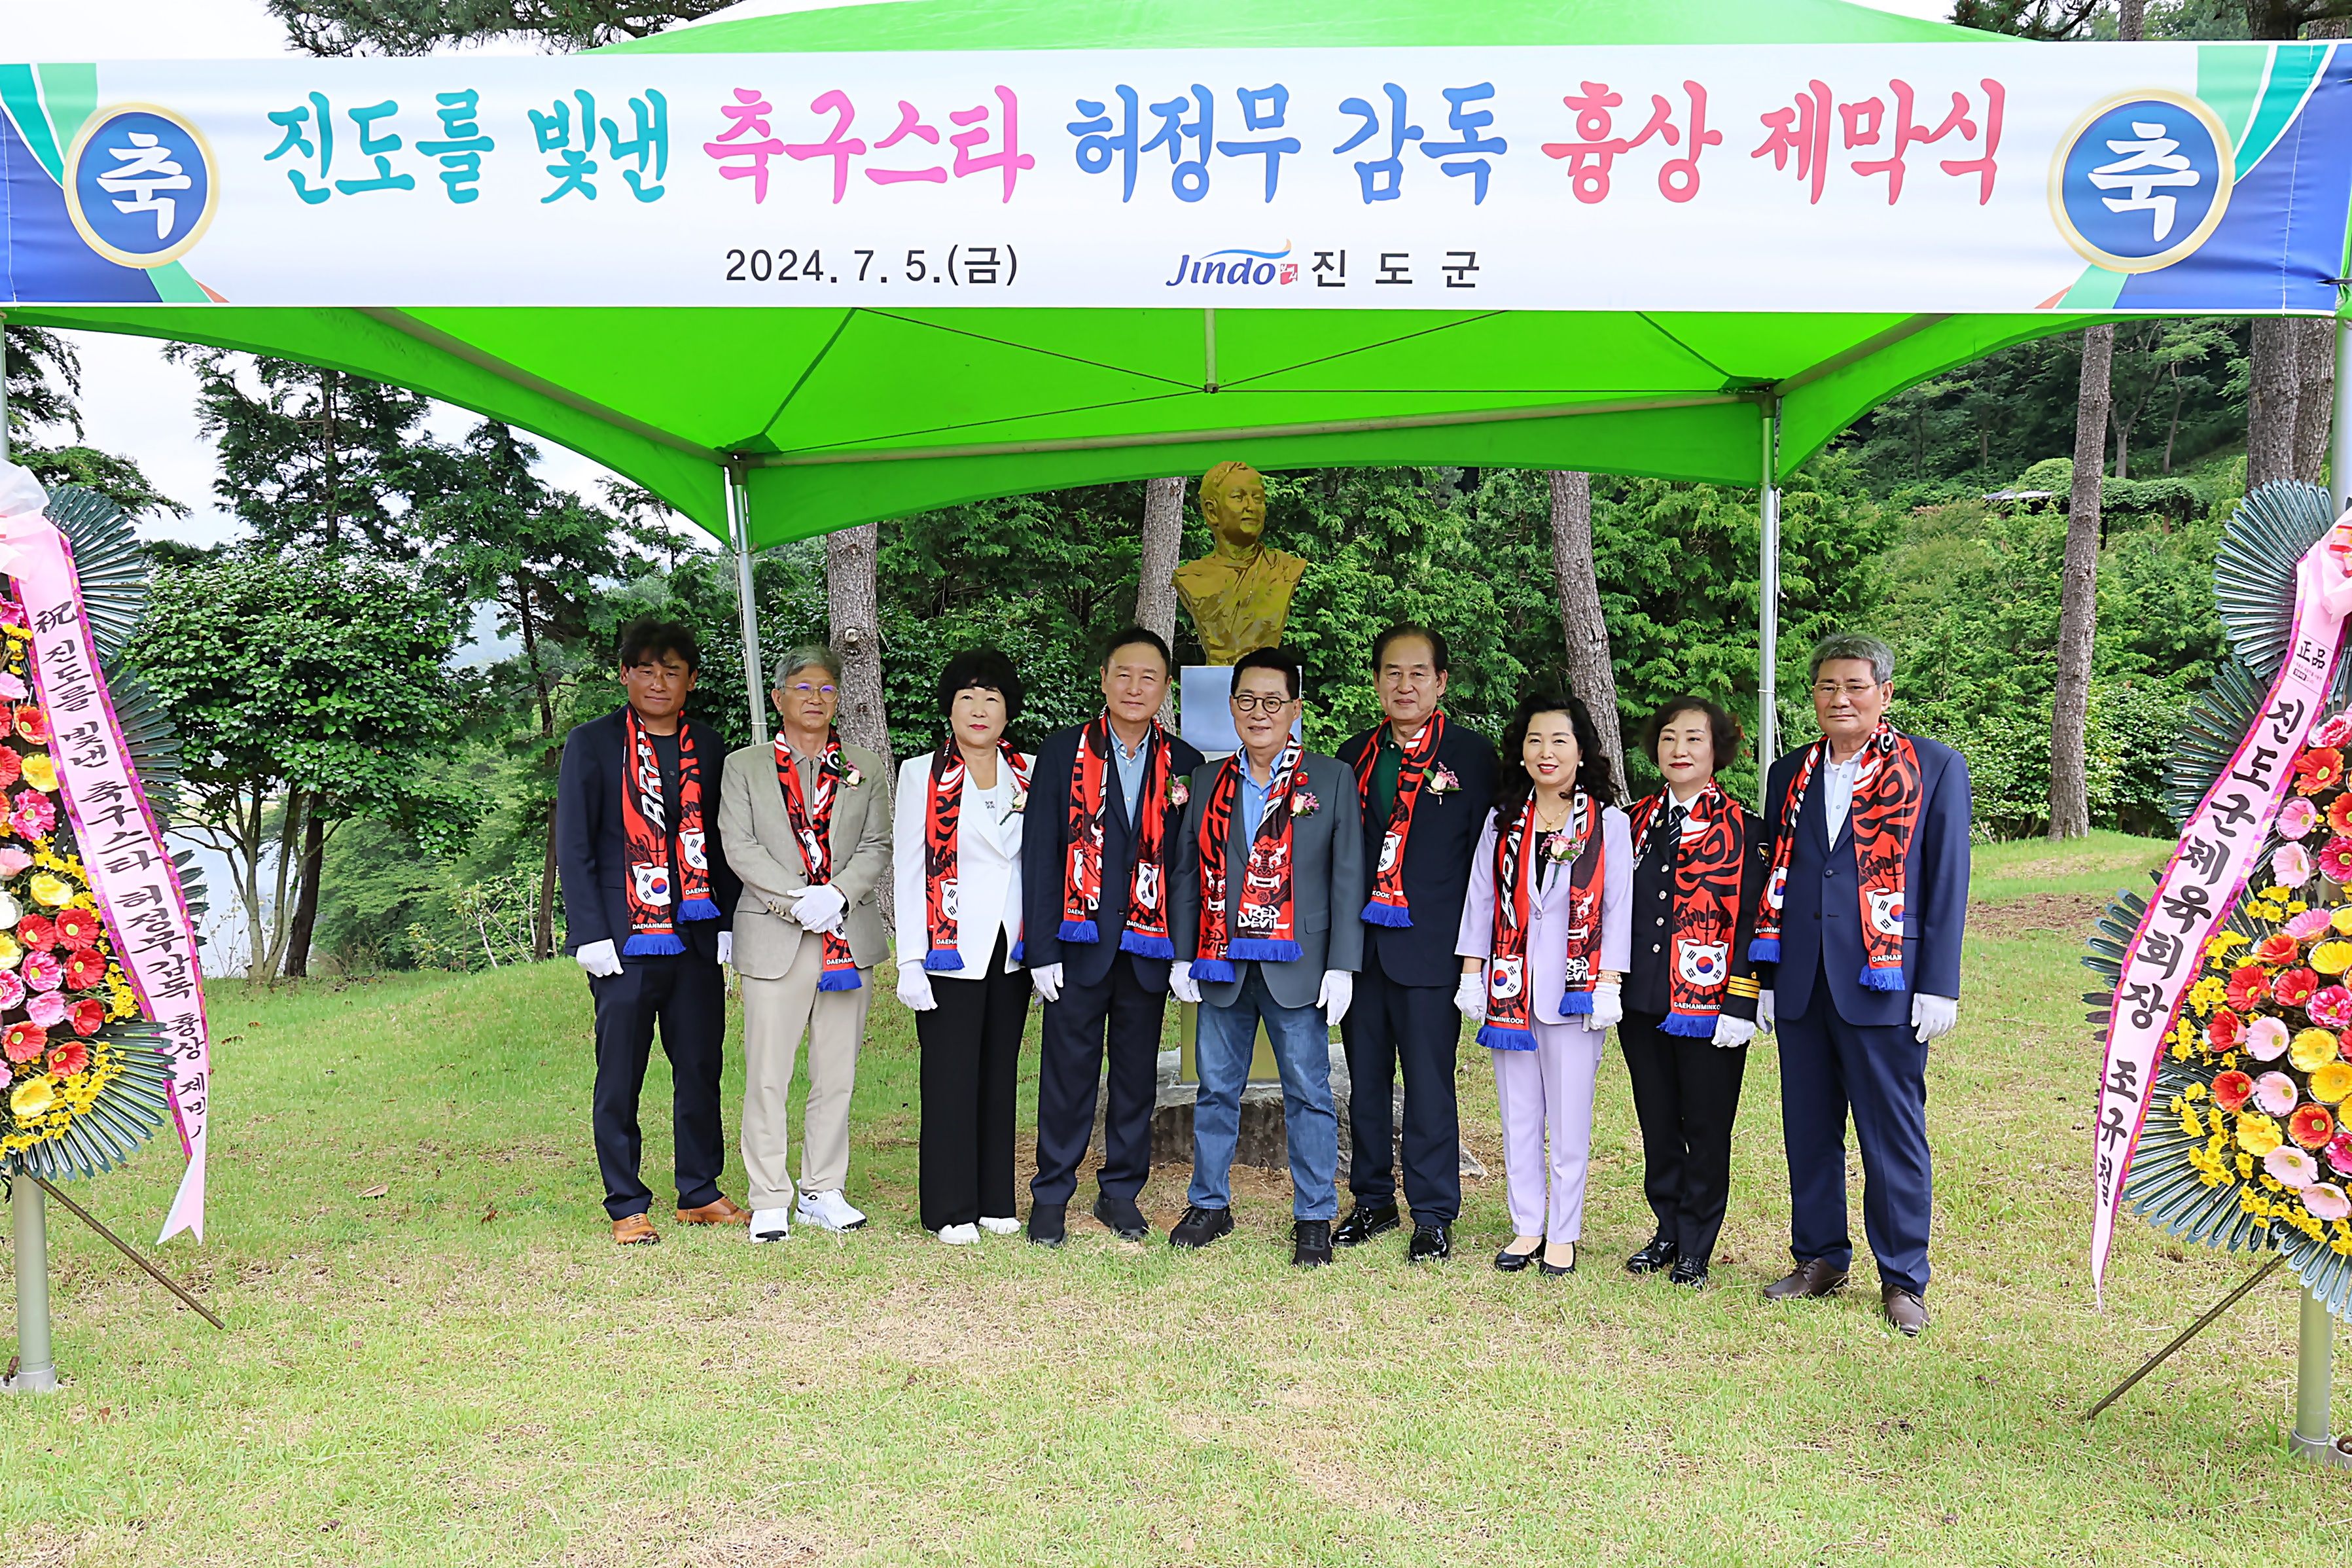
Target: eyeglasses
x=803, y=688
x=1261, y=702
x=1847, y=688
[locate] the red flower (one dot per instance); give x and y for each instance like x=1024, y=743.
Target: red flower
x=2294, y=987
x=24, y=1042
x=2319, y=768
x=2339, y=814
x=2225, y=1030
x=84, y=971
x=73, y=1057
x=2247, y=985
x=11, y=766
x=2232, y=1089
x=2311, y=1126
x=77, y=929
x=87, y=1016
x=2278, y=947
x=34, y=725
x=38, y=932
x=8, y=720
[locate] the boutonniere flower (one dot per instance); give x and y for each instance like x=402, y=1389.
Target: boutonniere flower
x=1180, y=789
x=1559, y=848
x=1442, y=780
x=1020, y=802
x=1304, y=803
x=849, y=774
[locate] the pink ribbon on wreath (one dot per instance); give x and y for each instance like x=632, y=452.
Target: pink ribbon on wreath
x=122, y=848
x=2207, y=875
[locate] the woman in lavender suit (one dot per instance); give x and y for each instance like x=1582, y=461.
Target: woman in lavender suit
x=1548, y=1009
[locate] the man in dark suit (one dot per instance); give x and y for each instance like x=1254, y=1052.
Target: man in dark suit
x=648, y=909
x=1864, y=908
x=1425, y=788
x=1106, y=804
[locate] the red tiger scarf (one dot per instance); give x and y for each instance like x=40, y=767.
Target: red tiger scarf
x=645, y=829
x=940, y=911
x=1885, y=809
x=1387, y=905
x=1082, y=871
x=1510, y=1010
x=812, y=822
x=1261, y=924
x=1706, y=914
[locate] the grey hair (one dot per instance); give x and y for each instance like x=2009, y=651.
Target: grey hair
x=808, y=656
x=1854, y=645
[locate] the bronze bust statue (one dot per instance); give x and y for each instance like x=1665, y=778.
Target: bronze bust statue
x=1238, y=597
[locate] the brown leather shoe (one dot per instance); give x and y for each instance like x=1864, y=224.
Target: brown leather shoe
x=724, y=1210
x=634, y=1231
x=1904, y=1309
x=1808, y=1280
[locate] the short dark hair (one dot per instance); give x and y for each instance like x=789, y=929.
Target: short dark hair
x=1725, y=729
x=1127, y=636
x=1591, y=768
x=1436, y=640
x=1276, y=659
x=652, y=635
x=986, y=669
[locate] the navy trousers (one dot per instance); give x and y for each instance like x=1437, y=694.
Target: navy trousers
x=1879, y=1073
x=1071, y=1045
x=686, y=995
x=1414, y=1027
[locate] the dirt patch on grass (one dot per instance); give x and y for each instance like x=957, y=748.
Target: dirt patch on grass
x=2036, y=914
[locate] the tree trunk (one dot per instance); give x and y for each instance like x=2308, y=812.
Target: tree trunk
x=306, y=900
x=2314, y=395
x=854, y=610
x=543, y=928
x=1155, y=589
x=1590, y=674
x=2078, y=598
x=2274, y=374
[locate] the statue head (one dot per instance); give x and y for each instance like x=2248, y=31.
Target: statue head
x=1233, y=502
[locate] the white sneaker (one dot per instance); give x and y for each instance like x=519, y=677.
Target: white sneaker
x=959, y=1234
x=829, y=1210
x=999, y=1226
x=772, y=1225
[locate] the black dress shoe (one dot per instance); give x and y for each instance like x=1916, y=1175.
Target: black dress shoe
x=1659, y=1254
x=1510, y=1262
x=1045, y=1229
x=1364, y=1222
x=1812, y=1278
x=1201, y=1227
x=1688, y=1271
x=1310, y=1242
x=1431, y=1243
x=1121, y=1217
x=1546, y=1266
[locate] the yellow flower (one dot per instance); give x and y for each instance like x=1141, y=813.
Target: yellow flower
x=41, y=772
x=2342, y=920
x=2258, y=1135
x=54, y=892
x=2222, y=942
x=2189, y=1121
x=9, y=952
x=2245, y=1165
x=2311, y=1049
x=2195, y=1091
x=33, y=1097
x=2331, y=1081
x=2332, y=957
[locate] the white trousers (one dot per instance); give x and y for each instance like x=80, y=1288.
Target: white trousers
x=1552, y=1083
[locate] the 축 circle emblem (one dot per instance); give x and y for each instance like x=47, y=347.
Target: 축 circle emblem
x=2142, y=180
x=139, y=184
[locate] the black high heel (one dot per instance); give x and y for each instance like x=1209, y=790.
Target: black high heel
x=1509, y=1262
x=1548, y=1268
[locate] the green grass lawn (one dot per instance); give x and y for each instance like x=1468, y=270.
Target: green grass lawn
x=465, y=1369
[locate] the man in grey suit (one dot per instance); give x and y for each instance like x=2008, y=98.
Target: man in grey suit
x=1269, y=875
x=809, y=934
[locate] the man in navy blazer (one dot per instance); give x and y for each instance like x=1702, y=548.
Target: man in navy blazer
x=673, y=978
x=1116, y=984
x=1403, y=1016
x=1853, y=1037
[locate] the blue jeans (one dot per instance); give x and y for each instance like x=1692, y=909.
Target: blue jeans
x=1302, y=1048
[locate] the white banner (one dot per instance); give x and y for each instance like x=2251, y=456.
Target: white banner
x=1955, y=177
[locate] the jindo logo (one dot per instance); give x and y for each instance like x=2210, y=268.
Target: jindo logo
x=2142, y=180
x=139, y=184
x=1229, y=269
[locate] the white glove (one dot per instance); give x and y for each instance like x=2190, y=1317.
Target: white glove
x=1470, y=997
x=1338, y=990
x=726, y=947
x=599, y=959
x=1933, y=1015
x=1048, y=979
x=819, y=908
x=1764, y=1018
x=1731, y=1033
x=915, y=988
x=1607, y=1005
x=1181, y=982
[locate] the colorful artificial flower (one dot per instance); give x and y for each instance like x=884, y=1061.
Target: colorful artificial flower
x=2311, y=1126
x=2328, y=957
x=2258, y=1135
x=2266, y=1039
x=1304, y=803
x=78, y=928
x=57, y=892
x=7, y=721
x=2327, y=1202
x=12, y=687
x=2319, y=768
x=46, y=1008
x=40, y=771
x=2339, y=1153
x=42, y=972
x=2332, y=1005
x=2335, y=861
x=12, y=989
x=2278, y=947
x=70, y=1058
x=10, y=911
x=9, y=950
x=2294, y=988
x=87, y=1017
x=1180, y=789
x=2223, y=1032
x=13, y=860
x=33, y=1096
x=2231, y=1089
x=2296, y=817
x=2331, y=1081
x=33, y=815
x=2339, y=919
x=2308, y=924
x=34, y=725
x=2277, y=1093
x=84, y=971
x=1442, y=781
x=2291, y=863
x=2311, y=1049
x=2332, y=731
x=2248, y=984
x=23, y=1042
x=2291, y=1166
x=11, y=766
x=38, y=932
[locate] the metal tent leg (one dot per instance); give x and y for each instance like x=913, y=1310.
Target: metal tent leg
x=2313, y=1438
x=36, y=1370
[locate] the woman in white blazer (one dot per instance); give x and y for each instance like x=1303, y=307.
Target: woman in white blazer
x=1547, y=1010
x=957, y=879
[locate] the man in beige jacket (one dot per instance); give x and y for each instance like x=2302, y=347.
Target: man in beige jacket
x=807, y=827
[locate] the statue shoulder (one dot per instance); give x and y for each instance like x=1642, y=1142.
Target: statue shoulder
x=1207, y=574
x=1288, y=567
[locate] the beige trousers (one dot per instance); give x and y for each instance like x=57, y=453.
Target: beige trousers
x=776, y=1013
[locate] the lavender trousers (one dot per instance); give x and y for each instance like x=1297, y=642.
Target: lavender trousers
x=1552, y=1083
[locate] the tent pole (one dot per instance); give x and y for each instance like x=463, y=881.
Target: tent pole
x=747, y=605
x=2339, y=454
x=1768, y=602
x=37, y=1369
